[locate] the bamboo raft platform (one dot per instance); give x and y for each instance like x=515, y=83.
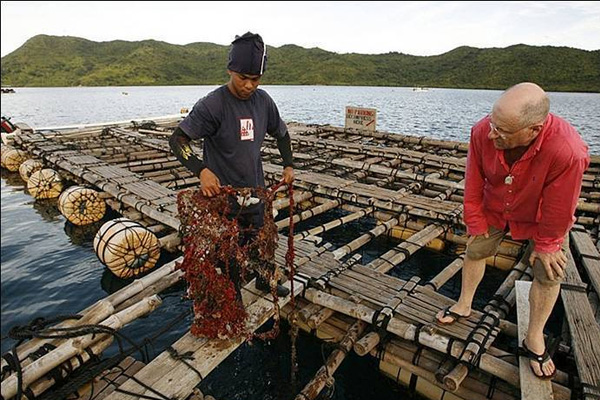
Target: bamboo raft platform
x=405, y=187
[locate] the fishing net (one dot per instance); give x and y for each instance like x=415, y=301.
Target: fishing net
x=220, y=251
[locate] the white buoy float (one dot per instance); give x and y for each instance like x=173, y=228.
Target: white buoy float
x=45, y=184
x=81, y=205
x=12, y=159
x=28, y=167
x=3, y=149
x=126, y=247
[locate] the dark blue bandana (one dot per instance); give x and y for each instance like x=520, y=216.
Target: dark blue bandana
x=248, y=55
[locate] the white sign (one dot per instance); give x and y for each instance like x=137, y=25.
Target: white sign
x=361, y=118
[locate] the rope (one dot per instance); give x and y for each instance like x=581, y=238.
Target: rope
x=96, y=366
x=188, y=355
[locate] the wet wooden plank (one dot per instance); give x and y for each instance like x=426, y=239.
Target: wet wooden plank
x=111, y=172
x=532, y=388
x=585, y=332
x=590, y=257
x=148, y=189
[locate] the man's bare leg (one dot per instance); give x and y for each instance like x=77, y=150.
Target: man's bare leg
x=541, y=302
x=472, y=273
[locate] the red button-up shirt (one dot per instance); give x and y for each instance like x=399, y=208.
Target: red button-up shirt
x=537, y=195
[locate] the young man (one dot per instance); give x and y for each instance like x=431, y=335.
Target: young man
x=524, y=173
x=233, y=121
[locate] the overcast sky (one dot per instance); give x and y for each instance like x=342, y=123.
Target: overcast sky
x=417, y=28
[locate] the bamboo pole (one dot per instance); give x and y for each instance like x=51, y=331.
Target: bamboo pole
x=395, y=256
x=155, y=288
x=71, y=347
x=364, y=239
x=103, y=307
x=408, y=351
x=96, y=313
x=284, y=223
x=445, y=275
x=299, y=196
x=45, y=382
x=435, y=341
x=402, y=355
x=334, y=224
x=314, y=387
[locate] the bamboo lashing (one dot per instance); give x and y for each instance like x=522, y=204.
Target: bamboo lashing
x=103, y=307
x=408, y=331
x=71, y=347
x=45, y=382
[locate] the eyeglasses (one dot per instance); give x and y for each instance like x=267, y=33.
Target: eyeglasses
x=504, y=134
x=501, y=132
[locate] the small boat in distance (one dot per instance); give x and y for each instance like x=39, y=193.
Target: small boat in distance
x=420, y=89
x=8, y=90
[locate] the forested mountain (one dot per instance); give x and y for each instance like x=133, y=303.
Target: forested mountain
x=70, y=61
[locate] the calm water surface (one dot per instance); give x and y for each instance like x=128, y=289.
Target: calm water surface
x=48, y=266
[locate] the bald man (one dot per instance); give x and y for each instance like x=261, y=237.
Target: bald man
x=524, y=172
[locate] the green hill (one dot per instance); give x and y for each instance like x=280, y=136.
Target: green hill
x=69, y=61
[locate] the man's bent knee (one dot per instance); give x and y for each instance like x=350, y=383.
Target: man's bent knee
x=540, y=275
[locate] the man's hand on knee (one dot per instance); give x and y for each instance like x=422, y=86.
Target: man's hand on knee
x=554, y=263
x=473, y=237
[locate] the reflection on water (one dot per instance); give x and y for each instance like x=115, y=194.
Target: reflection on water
x=47, y=209
x=83, y=235
x=13, y=179
x=111, y=283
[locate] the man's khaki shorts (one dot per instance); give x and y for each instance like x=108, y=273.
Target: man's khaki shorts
x=483, y=247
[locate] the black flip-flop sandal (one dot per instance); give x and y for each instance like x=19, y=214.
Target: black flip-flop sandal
x=541, y=359
x=449, y=313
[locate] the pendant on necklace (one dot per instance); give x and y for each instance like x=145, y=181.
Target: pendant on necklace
x=508, y=180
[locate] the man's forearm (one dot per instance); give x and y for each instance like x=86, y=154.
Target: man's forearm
x=284, y=145
x=180, y=144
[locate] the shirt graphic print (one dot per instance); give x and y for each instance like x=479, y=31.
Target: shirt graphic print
x=246, y=129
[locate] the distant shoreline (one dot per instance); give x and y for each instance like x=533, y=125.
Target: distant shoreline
x=430, y=88
x=63, y=61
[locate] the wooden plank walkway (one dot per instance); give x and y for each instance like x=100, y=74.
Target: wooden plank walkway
x=532, y=388
x=584, y=330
